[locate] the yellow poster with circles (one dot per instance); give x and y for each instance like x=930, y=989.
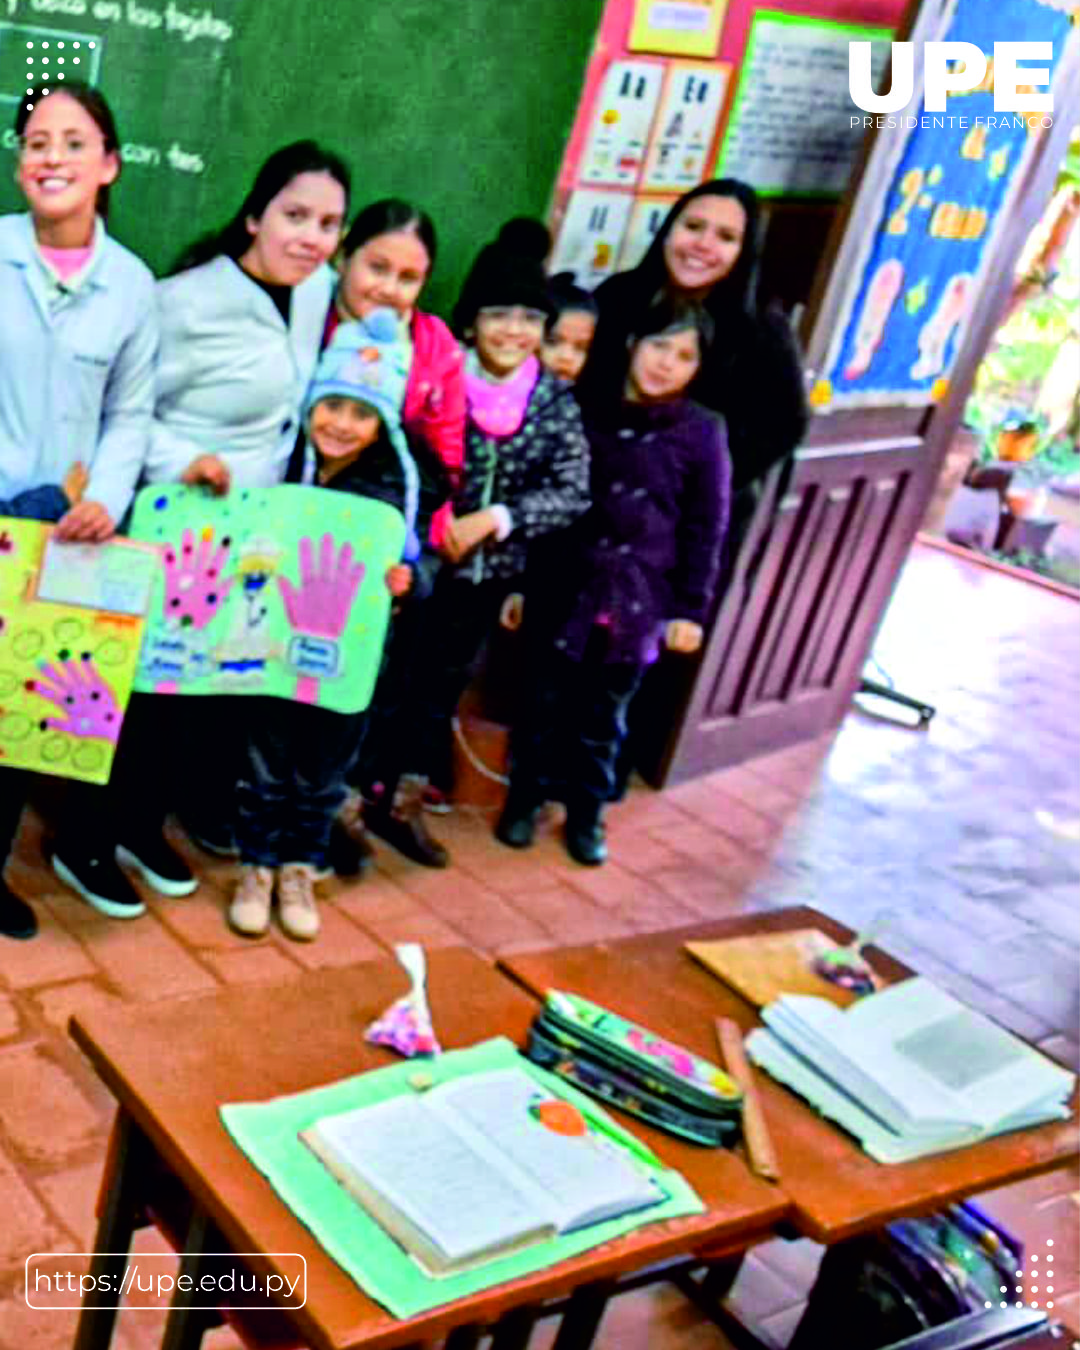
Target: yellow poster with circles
x=71, y=624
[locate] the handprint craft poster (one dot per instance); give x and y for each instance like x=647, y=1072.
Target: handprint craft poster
x=68, y=653
x=276, y=591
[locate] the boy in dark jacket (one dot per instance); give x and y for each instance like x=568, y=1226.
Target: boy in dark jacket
x=635, y=573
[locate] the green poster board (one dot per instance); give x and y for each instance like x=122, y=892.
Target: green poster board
x=277, y=591
x=464, y=108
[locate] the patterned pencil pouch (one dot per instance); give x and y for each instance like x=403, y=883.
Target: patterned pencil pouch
x=632, y=1068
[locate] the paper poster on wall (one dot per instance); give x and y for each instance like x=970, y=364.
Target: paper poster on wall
x=645, y=219
x=928, y=238
x=685, y=126
x=677, y=27
x=591, y=235
x=67, y=662
x=790, y=131
x=276, y=591
x=622, y=117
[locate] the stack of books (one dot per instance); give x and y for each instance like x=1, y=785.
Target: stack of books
x=909, y=1071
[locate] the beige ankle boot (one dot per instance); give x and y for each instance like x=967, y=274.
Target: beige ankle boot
x=249, y=909
x=298, y=912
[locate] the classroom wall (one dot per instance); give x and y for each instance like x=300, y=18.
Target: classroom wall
x=464, y=108
x=613, y=45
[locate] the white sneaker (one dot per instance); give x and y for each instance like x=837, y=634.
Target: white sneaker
x=298, y=912
x=249, y=909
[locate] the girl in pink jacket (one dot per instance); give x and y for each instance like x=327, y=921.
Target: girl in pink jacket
x=387, y=257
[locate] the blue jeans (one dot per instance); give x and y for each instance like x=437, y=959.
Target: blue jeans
x=293, y=779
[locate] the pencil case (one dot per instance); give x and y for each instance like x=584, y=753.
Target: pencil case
x=630, y=1067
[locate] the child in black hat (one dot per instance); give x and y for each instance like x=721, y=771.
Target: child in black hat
x=526, y=476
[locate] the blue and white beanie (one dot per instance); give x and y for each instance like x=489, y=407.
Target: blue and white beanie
x=368, y=360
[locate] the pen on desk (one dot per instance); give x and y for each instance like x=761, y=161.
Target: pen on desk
x=755, y=1131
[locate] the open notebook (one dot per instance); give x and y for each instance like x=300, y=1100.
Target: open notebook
x=469, y=1171
x=909, y=1071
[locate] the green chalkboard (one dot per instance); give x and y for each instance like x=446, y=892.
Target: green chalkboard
x=461, y=105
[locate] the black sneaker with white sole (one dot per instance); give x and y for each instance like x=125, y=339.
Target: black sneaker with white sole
x=100, y=883
x=159, y=865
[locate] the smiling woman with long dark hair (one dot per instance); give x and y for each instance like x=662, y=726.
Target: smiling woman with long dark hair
x=707, y=251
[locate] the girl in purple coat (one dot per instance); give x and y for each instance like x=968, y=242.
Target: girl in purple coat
x=637, y=571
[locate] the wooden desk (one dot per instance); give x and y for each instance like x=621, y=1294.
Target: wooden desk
x=171, y=1065
x=836, y=1190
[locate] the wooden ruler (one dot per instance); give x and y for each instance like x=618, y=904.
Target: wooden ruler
x=759, y=1143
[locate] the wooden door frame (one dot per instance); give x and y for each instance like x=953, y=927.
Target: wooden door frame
x=733, y=631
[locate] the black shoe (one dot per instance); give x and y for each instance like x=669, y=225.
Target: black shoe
x=100, y=883
x=159, y=865
x=408, y=834
x=351, y=853
x=17, y=919
x=217, y=840
x=585, y=838
x=517, y=824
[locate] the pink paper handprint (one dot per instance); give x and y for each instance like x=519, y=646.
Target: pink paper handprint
x=321, y=604
x=88, y=704
x=318, y=611
x=194, y=590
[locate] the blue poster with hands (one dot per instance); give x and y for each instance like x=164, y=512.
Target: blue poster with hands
x=904, y=317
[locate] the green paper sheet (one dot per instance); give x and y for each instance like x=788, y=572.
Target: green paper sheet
x=267, y=1132
x=278, y=590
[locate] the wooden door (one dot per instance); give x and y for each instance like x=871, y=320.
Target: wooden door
x=798, y=614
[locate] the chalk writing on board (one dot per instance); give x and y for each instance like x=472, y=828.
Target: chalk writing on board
x=184, y=24
x=790, y=131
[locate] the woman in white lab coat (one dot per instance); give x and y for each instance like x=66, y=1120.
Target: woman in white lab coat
x=242, y=319
x=78, y=334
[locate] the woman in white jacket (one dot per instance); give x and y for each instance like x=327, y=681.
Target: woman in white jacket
x=242, y=320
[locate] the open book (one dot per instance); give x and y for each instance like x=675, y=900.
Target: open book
x=469, y=1171
x=909, y=1070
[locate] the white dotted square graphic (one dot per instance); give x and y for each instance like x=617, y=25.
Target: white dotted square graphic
x=1036, y=1292
x=35, y=58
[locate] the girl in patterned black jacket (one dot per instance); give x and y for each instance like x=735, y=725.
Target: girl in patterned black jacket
x=526, y=475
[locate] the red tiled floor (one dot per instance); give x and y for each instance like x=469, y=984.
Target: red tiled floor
x=934, y=830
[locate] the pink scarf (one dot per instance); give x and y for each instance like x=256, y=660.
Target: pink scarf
x=498, y=409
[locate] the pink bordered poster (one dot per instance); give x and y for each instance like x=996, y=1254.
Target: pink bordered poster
x=70, y=631
x=278, y=591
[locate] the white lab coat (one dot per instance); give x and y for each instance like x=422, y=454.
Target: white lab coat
x=231, y=378
x=76, y=368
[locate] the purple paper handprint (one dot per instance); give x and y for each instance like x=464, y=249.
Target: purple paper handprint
x=318, y=611
x=194, y=590
x=88, y=704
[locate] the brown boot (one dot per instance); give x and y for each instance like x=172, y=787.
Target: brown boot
x=351, y=851
x=404, y=827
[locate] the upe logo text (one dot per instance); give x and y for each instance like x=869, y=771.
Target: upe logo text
x=955, y=68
